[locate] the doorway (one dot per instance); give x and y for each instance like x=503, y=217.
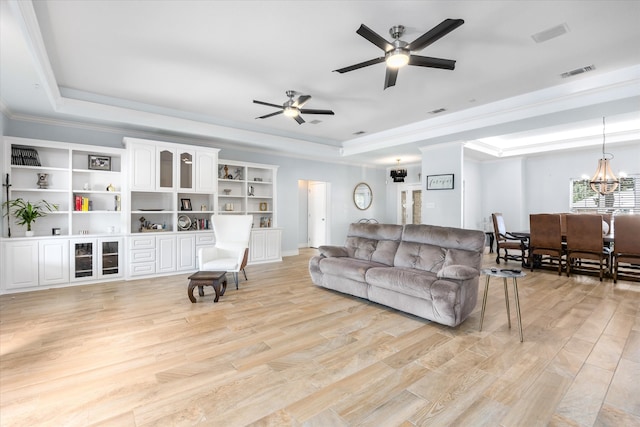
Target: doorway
x=410, y=204
x=318, y=221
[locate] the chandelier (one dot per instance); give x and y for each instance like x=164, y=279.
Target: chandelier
x=398, y=174
x=604, y=181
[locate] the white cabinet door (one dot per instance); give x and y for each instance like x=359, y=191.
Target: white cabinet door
x=186, y=252
x=206, y=172
x=142, y=171
x=257, y=246
x=165, y=254
x=273, y=245
x=21, y=264
x=265, y=245
x=53, y=265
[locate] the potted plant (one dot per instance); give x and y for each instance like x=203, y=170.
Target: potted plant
x=26, y=212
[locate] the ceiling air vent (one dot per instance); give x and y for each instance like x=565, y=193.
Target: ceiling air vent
x=550, y=33
x=578, y=71
x=439, y=110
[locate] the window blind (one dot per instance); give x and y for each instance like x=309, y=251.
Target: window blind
x=625, y=198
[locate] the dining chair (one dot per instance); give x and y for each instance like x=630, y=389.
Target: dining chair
x=584, y=242
x=545, y=241
x=626, y=246
x=231, y=250
x=507, y=241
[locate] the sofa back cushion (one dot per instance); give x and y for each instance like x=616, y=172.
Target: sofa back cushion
x=430, y=247
x=373, y=242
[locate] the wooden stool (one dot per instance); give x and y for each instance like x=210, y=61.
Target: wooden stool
x=217, y=279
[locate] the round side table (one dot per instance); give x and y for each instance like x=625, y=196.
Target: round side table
x=504, y=274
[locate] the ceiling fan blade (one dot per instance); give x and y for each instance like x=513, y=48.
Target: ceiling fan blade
x=267, y=103
x=374, y=38
x=308, y=111
x=437, y=32
x=426, y=61
x=270, y=115
x=390, y=77
x=360, y=65
x=302, y=99
x=299, y=119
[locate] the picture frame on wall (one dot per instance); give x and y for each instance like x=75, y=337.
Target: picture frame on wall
x=100, y=163
x=185, y=205
x=440, y=182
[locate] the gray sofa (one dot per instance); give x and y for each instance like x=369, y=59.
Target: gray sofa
x=425, y=270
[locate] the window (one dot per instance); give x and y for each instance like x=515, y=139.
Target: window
x=625, y=198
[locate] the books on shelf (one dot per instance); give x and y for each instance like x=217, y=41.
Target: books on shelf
x=24, y=156
x=82, y=204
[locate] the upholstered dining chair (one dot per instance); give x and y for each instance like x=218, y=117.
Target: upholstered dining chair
x=626, y=245
x=545, y=240
x=231, y=249
x=584, y=242
x=507, y=241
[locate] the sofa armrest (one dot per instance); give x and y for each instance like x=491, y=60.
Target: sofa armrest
x=333, y=251
x=458, y=272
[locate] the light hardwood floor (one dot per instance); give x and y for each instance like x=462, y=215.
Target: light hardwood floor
x=281, y=351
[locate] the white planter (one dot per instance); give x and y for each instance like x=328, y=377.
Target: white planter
x=28, y=233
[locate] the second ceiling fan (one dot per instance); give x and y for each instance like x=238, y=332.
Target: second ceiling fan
x=398, y=53
x=293, y=108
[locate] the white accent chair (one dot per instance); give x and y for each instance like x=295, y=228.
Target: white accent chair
x=231, y=249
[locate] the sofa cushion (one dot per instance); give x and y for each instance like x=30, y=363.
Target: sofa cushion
x=373, y=242
x=408, y=281
x=350, y=268
x=459, y=272
x=329, y=251
x=420, y=256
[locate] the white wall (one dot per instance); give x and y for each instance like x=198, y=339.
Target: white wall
x=504, y=191
x=443, y=207
x=472, y=195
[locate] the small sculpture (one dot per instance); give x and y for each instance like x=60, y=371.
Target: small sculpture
x=251, y=190
x=43, y=180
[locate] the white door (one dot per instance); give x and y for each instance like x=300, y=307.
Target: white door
x=410, y=204
x=317, y=214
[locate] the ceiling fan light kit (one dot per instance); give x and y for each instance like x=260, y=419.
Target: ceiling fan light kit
x=398, y=53
x=291, y=108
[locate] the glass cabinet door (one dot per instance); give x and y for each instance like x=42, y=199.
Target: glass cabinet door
x=166, y=169
x=110, y=261
x=186, y=170
x=83, y=259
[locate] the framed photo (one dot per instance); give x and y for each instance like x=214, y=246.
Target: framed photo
x=185, y=204
x=101, y=163
x=440, y=182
